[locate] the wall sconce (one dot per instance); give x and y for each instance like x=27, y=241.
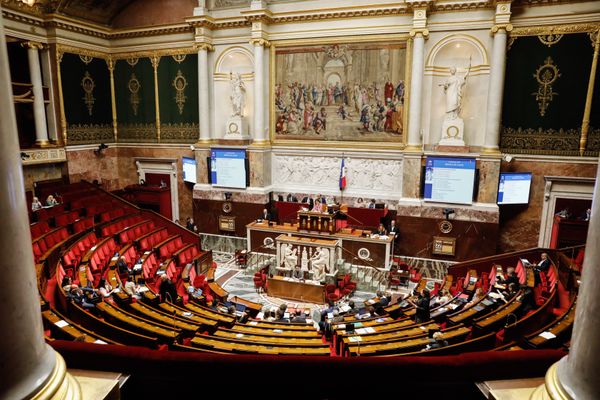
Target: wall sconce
x=100, y=148
x=24, y=156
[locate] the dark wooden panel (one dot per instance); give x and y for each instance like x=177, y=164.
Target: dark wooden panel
x=473, y=239
x=206, y=215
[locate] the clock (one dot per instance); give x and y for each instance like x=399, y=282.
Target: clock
x=227, y=207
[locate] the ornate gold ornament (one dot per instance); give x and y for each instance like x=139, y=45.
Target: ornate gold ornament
x=179, y=58
x=546, y=75
x=132, y=61
x=86, y=58
x=445, y=226
x=227, y=207
x=550, y=39
x=134, y=87
x=88, y=85
x=180, y=83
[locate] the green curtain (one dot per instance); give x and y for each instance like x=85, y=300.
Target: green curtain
x=178, y=97
x=134, y=95
x=541, y=118
x=87, y=99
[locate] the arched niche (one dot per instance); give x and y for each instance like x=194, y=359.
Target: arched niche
x=235, y=60
x=456, y=50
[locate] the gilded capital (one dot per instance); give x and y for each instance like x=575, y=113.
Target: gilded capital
x=260, y=42
x=422, y=31
x=501, y=27
x=204, y=46
x=33, y=45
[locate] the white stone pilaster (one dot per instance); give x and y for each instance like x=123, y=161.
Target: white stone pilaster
x=39, y=108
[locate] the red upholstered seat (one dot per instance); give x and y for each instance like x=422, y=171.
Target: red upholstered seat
x=332, y=293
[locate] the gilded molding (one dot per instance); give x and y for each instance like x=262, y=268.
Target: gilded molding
x=554, y=29
x=92, y=133
x=421, y=31
x=204, y=46
x=498, y=27
x=61, y=48
x=144, y=133
x=179, y=133
x=33, y=45
x=559, y=142
x=45, y=156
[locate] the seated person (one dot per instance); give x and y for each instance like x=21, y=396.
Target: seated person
x=510, y=278
x=437, y=341
x=79, y=297
x=132, y=289
x=51, y=201
x=381, y=230
x=383, y=299
x=372, y=203
x=104, y=288
x=291, y=198
x=318, y=206
x=36, y=204
x=122, y=266
x=242, y=319
x=442, y=298
x=298, y=273
x=300, y=316
x=510, y=292
x=527, y=299
x=564, y=213
x=476, y=297
x=67, y=284
x=266, y=216
x=280, y=316
x=194, y=292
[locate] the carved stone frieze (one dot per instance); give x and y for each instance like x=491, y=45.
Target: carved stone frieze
x=563, y=142
x=92, y=133
x=43, y=156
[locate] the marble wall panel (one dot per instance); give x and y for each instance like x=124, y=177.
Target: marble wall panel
x=489, y=174
x=411, y=177
x=85, y=164
x=520, y=225
x=42, y=172
x=228, y=244
x=202, y=165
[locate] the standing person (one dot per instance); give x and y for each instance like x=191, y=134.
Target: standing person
x=36, y=204
x=167, y=289
x=422, y=305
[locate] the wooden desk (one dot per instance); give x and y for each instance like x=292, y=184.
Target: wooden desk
x=295, y=290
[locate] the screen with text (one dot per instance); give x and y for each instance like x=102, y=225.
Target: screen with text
x=449, y=180
x=514, y=188
x=228, y=168
x=189, y=169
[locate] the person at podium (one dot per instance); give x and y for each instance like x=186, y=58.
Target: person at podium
x=298, y=273
x=381, y=230
x=318, y=206
x=266, y=216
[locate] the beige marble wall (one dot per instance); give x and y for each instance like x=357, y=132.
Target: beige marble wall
x=84, y=164
x=520, y=225
x=201, y=165
x=42, y=172
x=411, y=176
x=489, y=173
x=260, y=167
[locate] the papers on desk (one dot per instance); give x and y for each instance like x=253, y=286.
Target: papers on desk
x=253, y=323
x=98, y=341
x=345, y=308
x=116, y=290
x=362, y=331
x=370, y=301
x=547, y=335
x=115, y=258
x=277, y=331
x=161, y=272
x=286, y=315
x=380, y=320
x=187, y=314
x=143, y=289
x=353, y=339
x=329, y=315
x=341, y=326
x=61, y=324
x=239, y=335
x=453, y=306
x=495, y=295
x=137, y=267
x=260, y=315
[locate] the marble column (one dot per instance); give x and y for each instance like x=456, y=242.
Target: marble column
x=259, y=91
x=496, y=91
x=203, y=103
x=416, y=89
x=39, y=107
x=29, y=366
x=576, y=375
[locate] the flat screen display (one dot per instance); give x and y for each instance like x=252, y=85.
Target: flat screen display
x=189, y=169
x=449, y=180
x=514, y=187
x=228, y=168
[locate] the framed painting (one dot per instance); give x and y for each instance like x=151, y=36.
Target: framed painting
x=350, y=91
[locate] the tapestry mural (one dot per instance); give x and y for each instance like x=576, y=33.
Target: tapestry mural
x=342, y=92
x=87, y=99
x=545, y=94
x=178, y=95
x=134, y=95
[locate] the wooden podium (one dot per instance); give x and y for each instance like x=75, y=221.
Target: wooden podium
x=316, y=222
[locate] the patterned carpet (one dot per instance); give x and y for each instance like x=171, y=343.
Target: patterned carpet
x=240, y=283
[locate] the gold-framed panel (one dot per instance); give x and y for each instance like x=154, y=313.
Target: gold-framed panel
x=553, y=29
x=382, y=39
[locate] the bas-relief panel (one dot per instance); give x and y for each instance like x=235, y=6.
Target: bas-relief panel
x=320, y=173
x=520, y=226
x=343, y=92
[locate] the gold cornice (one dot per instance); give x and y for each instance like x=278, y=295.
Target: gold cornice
x=464, y=6
x=32, y=45
x=62, y=48
x=554, y=29
x=13, y=15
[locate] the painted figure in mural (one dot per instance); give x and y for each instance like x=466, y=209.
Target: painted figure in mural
x=237, y=94
x=454, y=90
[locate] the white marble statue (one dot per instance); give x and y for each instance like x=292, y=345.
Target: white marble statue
x=454, y=90
x=238, y=90
x=290, y=257
x=320, y=263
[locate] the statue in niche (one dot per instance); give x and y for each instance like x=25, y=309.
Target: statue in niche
x=454, y=90
x=238, y=89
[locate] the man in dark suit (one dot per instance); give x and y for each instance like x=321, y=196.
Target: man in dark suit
x=291, y=198
x=544, y=263
x=393, y=228
x=266, y=216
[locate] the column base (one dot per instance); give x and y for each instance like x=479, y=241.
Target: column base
x=413, y=148
x=60, y=386
x=42, y=142
x=490, y=150
x=552, y=388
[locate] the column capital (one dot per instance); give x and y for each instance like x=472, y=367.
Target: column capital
x=501, y=27
x=204, y=46
x=419, y=31
x=33, y=45
x=260, y=42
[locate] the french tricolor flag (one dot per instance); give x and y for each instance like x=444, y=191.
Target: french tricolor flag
x=343, y=175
